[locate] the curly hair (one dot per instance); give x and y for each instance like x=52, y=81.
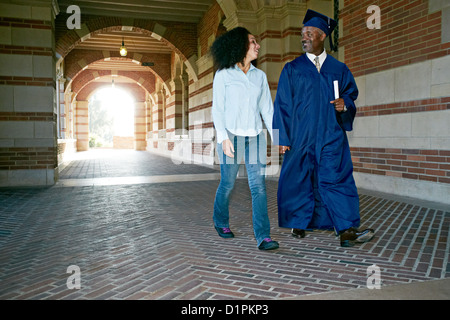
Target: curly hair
x=230, y=48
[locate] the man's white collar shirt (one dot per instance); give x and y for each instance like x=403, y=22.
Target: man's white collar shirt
x=322, y=57
x=239, y=102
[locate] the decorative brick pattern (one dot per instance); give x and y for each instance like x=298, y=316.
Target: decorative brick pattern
x=85, y=57
x=156, y=241
x=427, y=165
x=433, y=104
x=25, y=50
x=286, y=56
x=27, y=81
x=181, y=37
x=27, y=116
x=28, y=158
x=208, y=26
x=25, y=23
x=136, y=91
x=203, y=149
x=408, y=34
x=27, y=122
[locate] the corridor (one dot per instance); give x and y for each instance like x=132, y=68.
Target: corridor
x=138, y=226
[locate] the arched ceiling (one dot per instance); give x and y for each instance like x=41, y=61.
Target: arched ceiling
x=134, y=41
x=166, y=10
x=182, y=11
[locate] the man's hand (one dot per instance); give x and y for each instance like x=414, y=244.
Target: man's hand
x=283, y=149
x=228, y=148
x=339, y=105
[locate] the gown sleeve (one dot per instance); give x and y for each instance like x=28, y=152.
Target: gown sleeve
x=349, y=94
x=283, y=109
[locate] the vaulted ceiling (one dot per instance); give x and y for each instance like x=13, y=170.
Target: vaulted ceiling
x=184, y=11
x=166, y=10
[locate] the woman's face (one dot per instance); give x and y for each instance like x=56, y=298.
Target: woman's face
x=253, y=48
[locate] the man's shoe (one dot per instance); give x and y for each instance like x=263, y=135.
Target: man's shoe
x=268, y=244
x=352, y=236
x=224, y=232
x=298, y=233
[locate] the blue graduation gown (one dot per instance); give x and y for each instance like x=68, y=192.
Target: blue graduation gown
x=316, y=187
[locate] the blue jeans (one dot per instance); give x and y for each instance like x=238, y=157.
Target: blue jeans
x=254, y=150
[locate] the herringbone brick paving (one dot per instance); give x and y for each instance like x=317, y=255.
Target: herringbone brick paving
x=156, y=241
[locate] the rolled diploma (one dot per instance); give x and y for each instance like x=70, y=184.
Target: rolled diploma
x=336, y=89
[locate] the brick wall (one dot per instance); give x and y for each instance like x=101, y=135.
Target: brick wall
x=85, y=82
x=136, y=91
x=28, y=150
x=426, y=165
x=400, y=142
x=76, y=60
x=123, y=142
x=200, y=91
x=208, y=27
x=181, y=37
x=408, y=34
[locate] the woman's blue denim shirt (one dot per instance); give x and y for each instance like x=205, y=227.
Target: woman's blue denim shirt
x=239, y=102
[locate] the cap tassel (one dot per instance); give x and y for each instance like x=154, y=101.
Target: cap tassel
x=332, y=48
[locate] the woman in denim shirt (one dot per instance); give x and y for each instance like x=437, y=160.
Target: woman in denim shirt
x=241, y=97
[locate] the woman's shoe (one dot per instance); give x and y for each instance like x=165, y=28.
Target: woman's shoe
x=224, y=232
x=268, y=244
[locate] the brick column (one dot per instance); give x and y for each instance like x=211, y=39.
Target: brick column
x=177, y=103
x=28, y=143
x=82, y=125
x=63, y=119
x=148, y=116
x=140, y=142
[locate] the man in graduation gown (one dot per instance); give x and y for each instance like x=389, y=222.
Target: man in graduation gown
x=316, y=186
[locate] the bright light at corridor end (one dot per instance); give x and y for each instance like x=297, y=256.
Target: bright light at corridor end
x=121, y=105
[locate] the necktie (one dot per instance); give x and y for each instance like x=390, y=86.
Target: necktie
x=316, y=59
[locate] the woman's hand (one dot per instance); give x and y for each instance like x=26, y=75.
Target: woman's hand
x=228, y=148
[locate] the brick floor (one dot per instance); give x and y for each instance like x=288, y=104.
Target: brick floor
x=156, y=240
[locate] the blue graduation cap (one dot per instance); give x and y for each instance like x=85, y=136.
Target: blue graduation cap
x=321, y=21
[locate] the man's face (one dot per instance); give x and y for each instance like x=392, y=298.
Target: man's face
x=313, y=40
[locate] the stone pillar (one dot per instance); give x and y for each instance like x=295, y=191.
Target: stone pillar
x=279, y=31
x=28, y=141
x=140, y=142
x=156, y=113
x=63, y=123
x=177, y=94
x=70, y=114
x=82, y=125
x=148, y=115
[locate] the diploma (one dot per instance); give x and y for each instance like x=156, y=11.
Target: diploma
x=336, y=89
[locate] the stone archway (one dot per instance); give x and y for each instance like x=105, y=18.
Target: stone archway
x=77, y=65
x=80, y=105
x=180, y=38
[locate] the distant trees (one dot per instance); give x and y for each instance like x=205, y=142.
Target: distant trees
x=101, y=124
x=111, y=113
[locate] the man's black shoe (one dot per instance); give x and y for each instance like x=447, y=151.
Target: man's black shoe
x=298, y=233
